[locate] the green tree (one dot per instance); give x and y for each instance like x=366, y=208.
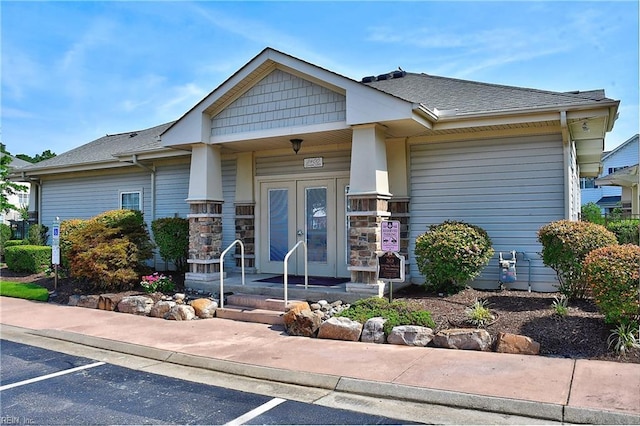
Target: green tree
x=38, y=157
x=7, y=187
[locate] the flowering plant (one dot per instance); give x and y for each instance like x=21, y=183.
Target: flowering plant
x=157, y=282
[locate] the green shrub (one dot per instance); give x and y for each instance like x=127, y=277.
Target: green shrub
x=591, y=212
x=627, y=231
x=11, y=243
x=396, y=313
x=171, y=235
x=38, y=235
x=26, y=258
x=451, y=254
x=612, y=274
x=67, y=229
x=5, y=235
x=99, y=254
x=565, y=244
x=131, y=225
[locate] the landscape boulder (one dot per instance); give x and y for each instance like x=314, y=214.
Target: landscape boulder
x=340, y=328
x=302, y=323
x=204, y=308
x=180, y=313
x=372, y=331
x=137, y=305
x=160, y=309
x=516, y=344
x=87, y=301
x=463, y=338
x=410, y=335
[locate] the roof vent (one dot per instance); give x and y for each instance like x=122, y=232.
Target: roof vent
x=398, y=74
x=368, y=79
x=383, y=77
x=133, y=135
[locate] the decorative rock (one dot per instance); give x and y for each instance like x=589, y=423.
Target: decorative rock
x=109, y=301
x=88, y=301
x=137, y=305
x=516, y=344
x=322, y=302
x=293, y=308
x=160, y=309
x=410, y=335
x=336, y=303
x=73, y=300
x=180, y=313
x=315, y=306
x=463, y=338
x=303, y=323
x=372, y=331
x=204, y=308
x=340, y=328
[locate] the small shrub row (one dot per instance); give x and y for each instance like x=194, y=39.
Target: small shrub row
x=28, y=258
x=396, y=313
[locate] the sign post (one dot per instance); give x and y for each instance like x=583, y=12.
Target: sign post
x=390, y=263
x=55, y=251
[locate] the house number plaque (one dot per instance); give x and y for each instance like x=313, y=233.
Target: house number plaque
x=311, y=163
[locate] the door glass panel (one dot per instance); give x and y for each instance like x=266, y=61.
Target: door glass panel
x=278, y=224
x=316, y=223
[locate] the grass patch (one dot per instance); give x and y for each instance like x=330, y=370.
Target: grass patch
x=24, y=291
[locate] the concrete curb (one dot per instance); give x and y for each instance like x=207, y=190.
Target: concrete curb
x=547, y=411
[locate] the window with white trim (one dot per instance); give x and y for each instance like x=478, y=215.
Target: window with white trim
x=131, y=200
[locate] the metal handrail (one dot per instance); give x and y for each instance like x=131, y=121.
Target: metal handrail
x=286, y=275
x=222, y=267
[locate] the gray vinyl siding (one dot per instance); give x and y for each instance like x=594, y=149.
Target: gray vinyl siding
x=172, y=190
x=228, y=211
x=280, y=100
x=509, y=187
x=86, y=196
x=334, y=161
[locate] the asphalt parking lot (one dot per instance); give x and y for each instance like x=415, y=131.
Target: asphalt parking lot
x=41, y=386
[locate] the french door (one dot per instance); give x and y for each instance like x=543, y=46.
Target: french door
x=312, y=210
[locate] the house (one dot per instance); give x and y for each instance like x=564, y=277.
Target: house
x=609, y=195
x=285, y=150
x=19, y=199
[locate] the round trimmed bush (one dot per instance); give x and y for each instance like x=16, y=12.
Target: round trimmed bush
x=565, y=244
x=613, y=274
x=451, y=254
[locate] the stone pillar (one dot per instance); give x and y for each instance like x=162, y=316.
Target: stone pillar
x=205, y=218
x=245, y=231
x=368, y=200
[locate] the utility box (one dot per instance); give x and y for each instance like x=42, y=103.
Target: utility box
x=508, y=267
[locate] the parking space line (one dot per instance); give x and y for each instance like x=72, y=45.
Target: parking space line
x=256, y=412
x=49, y=376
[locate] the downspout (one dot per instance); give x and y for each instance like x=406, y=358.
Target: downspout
x=152, y=170
x=566, y=155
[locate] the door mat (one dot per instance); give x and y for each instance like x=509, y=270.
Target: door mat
x=299, y=279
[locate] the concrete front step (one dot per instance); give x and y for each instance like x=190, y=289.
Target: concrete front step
x=248, y=314
x=257, y=301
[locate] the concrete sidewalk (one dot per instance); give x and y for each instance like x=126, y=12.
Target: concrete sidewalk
x=573, y=391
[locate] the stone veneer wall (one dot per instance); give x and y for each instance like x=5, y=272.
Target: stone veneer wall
x=365, y=217
x=245, y=231
x=205, y=237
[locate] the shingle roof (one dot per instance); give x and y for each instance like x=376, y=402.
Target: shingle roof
x=105, y=148
x=465, y=96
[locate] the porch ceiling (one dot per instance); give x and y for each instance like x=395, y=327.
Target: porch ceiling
x=323, y=138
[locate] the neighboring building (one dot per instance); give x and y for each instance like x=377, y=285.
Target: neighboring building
x=609, y=197
x=401, y=146
x=19, y=199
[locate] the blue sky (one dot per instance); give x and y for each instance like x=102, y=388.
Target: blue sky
x=75, y=71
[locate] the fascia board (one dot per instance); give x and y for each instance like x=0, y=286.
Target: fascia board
x=52, y=170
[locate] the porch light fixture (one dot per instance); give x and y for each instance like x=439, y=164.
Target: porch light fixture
x=295, y=144
x=585, y=126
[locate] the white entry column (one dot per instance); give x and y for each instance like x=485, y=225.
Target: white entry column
x=205, y=217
